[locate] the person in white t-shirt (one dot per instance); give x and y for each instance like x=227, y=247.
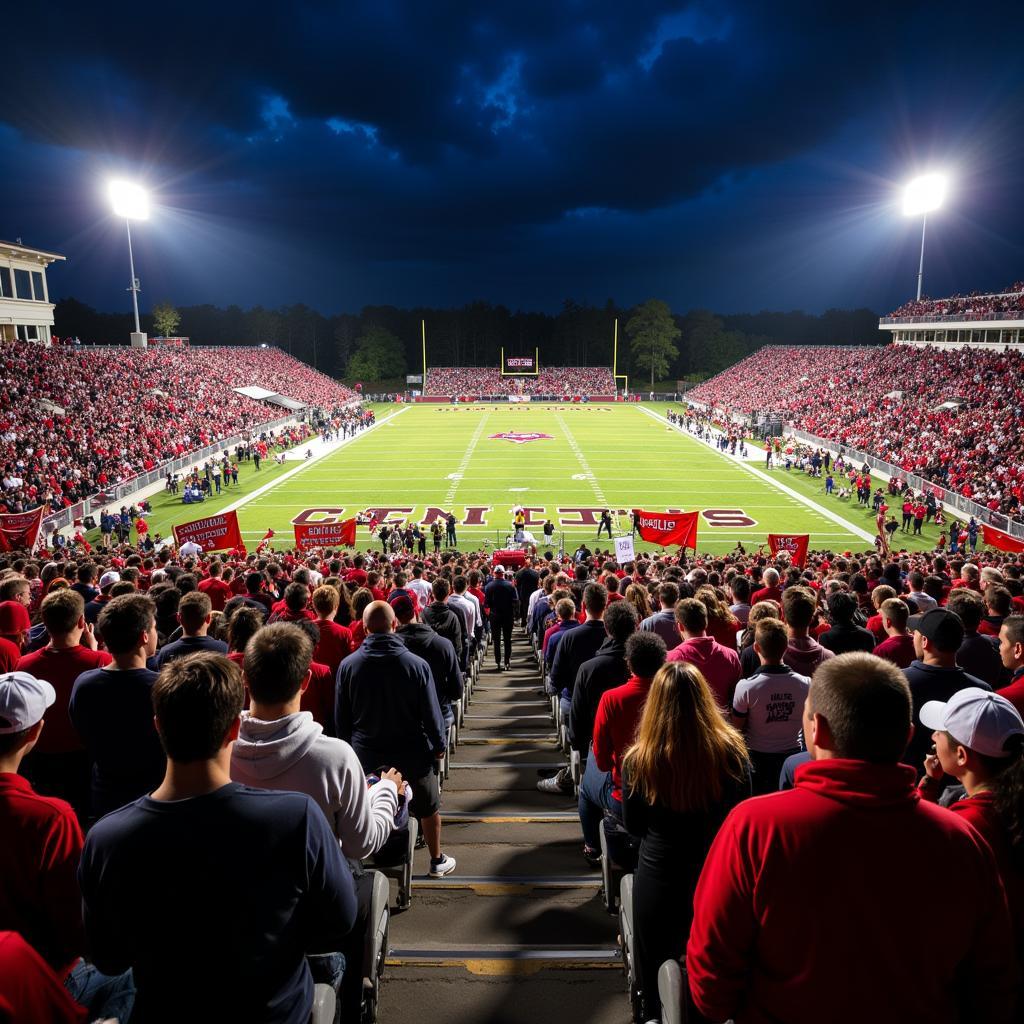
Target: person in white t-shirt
x=420, y=587
x=190, y=549
x=768, y=707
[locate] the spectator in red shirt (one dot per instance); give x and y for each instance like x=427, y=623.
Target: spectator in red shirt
x=874, y=625
x=335, y=642
x=59, y=764
x=771, y=591
x=39, y=895
x=293, y=607
x=14, y=626
x=719, y=665
x=1011, y=652
x=979, y=741
x=215, y=588
x=898, y=647
x=767, y=944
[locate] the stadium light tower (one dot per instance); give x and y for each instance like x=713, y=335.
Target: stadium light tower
x=131, y=202
x=920, y=197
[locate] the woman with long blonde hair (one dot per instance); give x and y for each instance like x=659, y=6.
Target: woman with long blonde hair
x=687, y=768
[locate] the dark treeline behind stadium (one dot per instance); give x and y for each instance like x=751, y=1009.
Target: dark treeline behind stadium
x=383, y=342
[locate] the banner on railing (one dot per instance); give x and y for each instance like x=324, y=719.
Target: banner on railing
x=20, y=529
x=993, y=538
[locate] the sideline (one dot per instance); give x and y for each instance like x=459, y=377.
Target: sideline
x=765, y=478
x=317, y=456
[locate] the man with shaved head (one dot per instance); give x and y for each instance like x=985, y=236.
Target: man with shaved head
x=386, y=708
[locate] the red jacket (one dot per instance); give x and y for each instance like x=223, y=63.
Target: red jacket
x=719, y=665
x=335, y=644
x=802, y=910
x=615, y=724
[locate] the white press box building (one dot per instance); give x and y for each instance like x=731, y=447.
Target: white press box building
x=26, y=312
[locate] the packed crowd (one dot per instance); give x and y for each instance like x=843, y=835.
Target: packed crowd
x=973, y=306
x=888, y=402
x=688, y=684
x=560, y=381
x=124, y=411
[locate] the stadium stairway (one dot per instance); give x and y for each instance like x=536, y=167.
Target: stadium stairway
x=519, y=932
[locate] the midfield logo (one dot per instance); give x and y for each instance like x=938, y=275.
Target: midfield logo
x=518, y=438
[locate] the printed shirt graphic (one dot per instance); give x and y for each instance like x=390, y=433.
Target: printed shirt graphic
x=773, y=703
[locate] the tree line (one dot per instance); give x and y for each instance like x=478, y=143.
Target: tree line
x=384, y=342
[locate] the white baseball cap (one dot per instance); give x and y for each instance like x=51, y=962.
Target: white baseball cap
x=23, y=701
x=499, y=570
x=109, y=578
x=978, y=719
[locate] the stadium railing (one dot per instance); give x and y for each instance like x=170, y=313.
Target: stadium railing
x=952, y=500
x=67, y=516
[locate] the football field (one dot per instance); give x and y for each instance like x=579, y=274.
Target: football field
x=563, y=462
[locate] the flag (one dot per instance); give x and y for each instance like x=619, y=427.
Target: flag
x=793, y=544
x=993, y=538
x=669, y=529
x=20, y=529
x=265, y=542
x=214, y=533
x=325, y=535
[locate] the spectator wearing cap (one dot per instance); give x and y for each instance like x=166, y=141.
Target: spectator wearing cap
x=502, y=601
x=194, y=615
x=719, y=665
x=798, y=893
x=59, y=764
x=934, y=674
x=979, y=741
x=154, y=874
x=281, y=747
x=39, y=896
x=434, y=649
x=111, y=708
x=15, y=625
x=845, y=635
x=1011, y=652
x=95, y=604
x=386, y=707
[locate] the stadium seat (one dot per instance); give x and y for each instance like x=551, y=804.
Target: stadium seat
x=375, y=948
x=394, y=860
x=325, y=1003
x=627, y=936
x=618, y=857
x=672, y=993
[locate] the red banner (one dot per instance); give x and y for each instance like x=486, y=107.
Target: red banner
x=215, y=533
x=20, y=529
x=792, y=544
x=993, y=538
x=326, y=535
x=669, y=529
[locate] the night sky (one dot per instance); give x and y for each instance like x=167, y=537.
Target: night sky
x=731, y=156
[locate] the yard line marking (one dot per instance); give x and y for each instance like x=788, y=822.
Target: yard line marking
x=317, y=456
x=467, y=455
x=581, y=459
x=802, y=498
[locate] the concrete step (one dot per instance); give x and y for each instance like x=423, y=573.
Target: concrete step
x=497, y=804
x=489, y=990
x=554, y=858
x=531, y=834
x=522, y=752
x=504, y=777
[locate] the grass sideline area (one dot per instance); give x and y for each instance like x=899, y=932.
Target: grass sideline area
x=567, y=462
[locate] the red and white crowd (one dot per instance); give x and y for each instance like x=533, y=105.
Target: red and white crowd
x=559, y=381
x=955, y=417
x=973, y=306
x=78, y=420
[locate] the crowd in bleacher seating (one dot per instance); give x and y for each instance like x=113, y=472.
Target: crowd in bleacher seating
x=973, y=306
x=560, y=381
x=889, y=402
x=126, y=410
x=687, y=684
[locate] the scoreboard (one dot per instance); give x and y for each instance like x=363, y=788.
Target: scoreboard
x=520, y=366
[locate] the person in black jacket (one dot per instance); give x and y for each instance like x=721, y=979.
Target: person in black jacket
x=845, y=635
x=502, y=601
x=978, y=654
x=443, y=620
x=437, y=651
x=580, y=644
x=527, y=581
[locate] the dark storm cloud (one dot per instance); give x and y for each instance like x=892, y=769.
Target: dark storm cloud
x=395, y=150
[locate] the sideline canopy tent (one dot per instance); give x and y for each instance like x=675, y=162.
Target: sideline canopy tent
x=263, y=395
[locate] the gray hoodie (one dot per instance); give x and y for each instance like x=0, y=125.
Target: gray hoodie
x=292, y=753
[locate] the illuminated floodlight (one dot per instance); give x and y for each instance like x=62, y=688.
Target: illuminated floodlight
x=924, y=194
x=128, y=200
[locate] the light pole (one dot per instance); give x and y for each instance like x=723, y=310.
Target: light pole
x=920, y=197
x=131, y=202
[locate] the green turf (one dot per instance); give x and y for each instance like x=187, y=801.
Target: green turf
x=597, y=455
